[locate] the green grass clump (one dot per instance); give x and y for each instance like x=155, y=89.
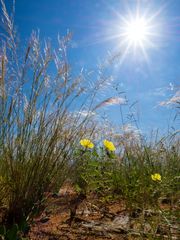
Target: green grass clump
x=141, y=175
x=38, y=129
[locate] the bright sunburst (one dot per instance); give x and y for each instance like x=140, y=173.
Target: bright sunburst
x=133, y=31
x=136, y=31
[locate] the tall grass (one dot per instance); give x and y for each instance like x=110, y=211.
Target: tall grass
x=38, y=125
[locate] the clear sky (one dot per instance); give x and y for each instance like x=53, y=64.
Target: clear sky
x=148, y=70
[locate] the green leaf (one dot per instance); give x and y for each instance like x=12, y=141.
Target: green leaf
x=2, y=230
x=24, y=226
x=94, y=164
x=12, y=233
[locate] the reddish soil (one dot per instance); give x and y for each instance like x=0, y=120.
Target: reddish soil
x=53, y=223
x=94, y=219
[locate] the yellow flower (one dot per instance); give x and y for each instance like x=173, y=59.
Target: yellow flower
x=109, y=145
x=156, y=177
x=86, y=143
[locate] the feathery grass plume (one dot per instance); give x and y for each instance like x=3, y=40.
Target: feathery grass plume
x=38, y=130
x=111, y=101
x=2, y=75
x=173, y=100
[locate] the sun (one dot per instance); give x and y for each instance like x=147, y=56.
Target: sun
x=133, y=33
x=137, y=34
x=136, y=31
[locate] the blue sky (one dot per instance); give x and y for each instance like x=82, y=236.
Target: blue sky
x=146, y=79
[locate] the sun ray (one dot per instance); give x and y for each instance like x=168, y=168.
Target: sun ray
x=135, y=31
x=125, y=53
x=145, y=53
